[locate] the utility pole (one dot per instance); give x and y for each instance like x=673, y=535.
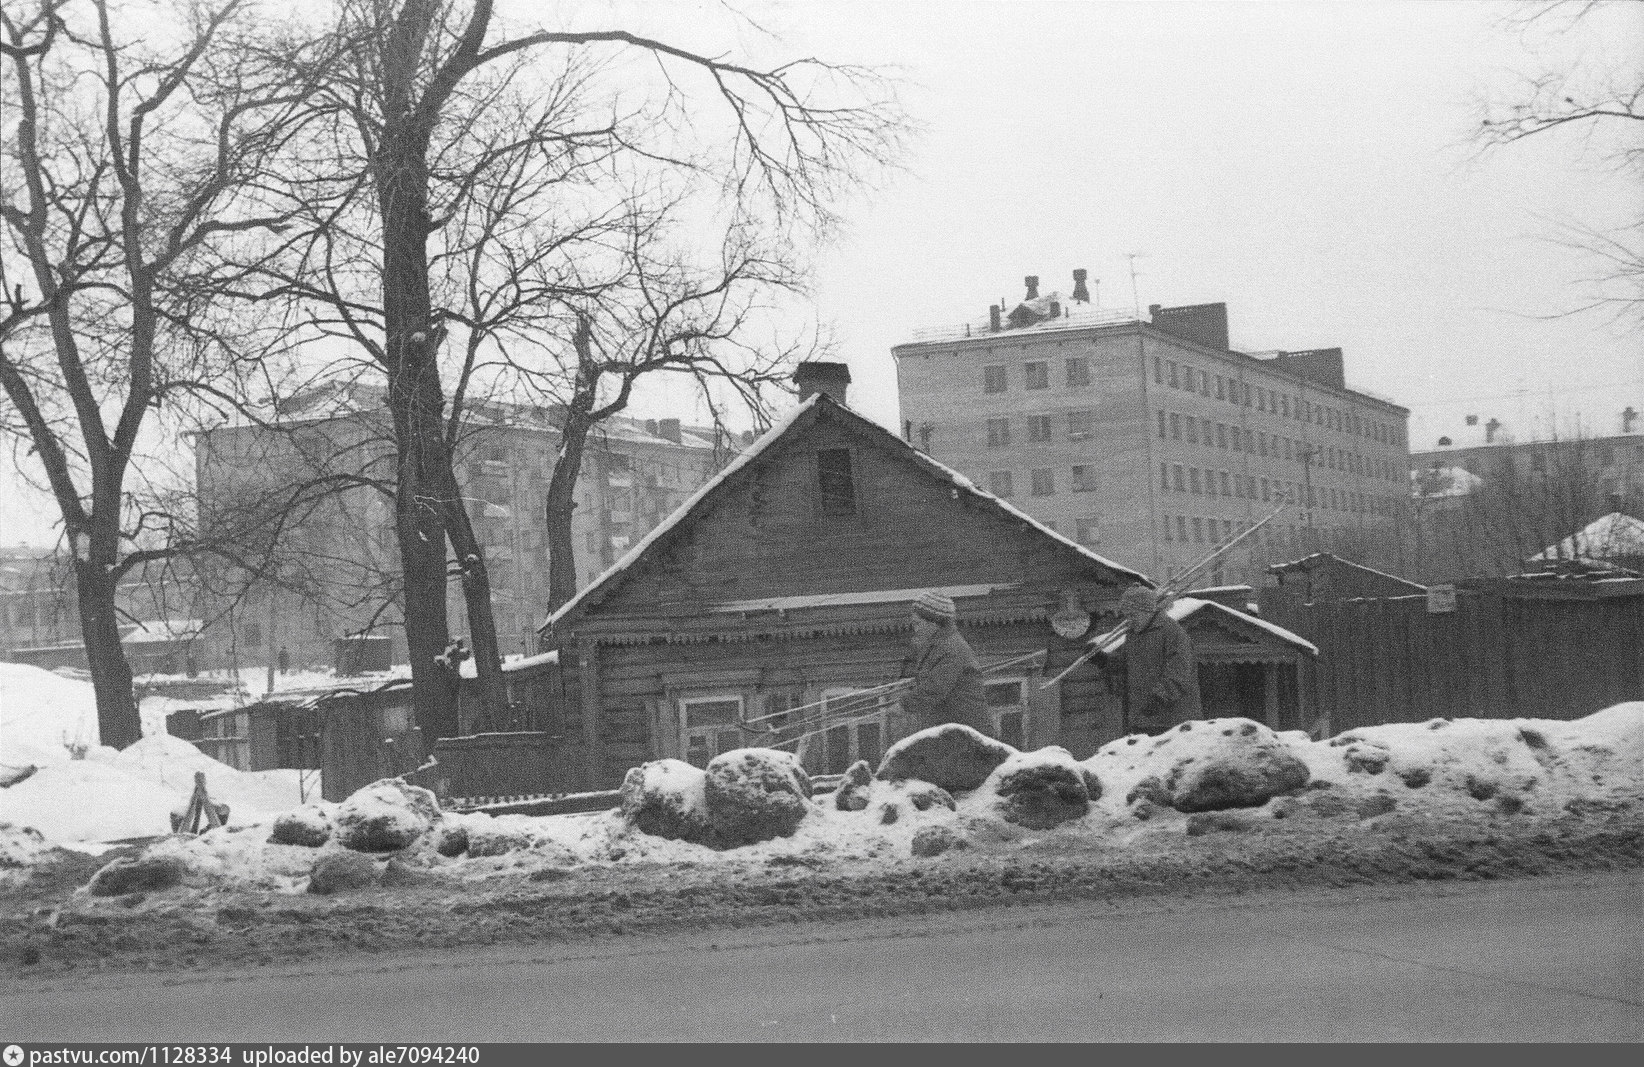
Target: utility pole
x=1308, y=452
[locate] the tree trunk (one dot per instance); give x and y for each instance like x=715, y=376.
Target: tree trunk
x=476, y=591
x=561, y=503
x=118, y=723
x=417, y=405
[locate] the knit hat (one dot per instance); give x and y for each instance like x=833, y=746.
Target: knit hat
x=1139, y=597
x=935, y=607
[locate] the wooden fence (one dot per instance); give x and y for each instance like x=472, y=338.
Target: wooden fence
x=1511, y=649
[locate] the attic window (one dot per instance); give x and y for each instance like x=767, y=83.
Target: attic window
x=836, y=481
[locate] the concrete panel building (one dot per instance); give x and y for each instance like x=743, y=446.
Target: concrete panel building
x=1153, y=440
x=340, y=568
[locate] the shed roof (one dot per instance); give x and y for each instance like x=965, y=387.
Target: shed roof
x=1612, y=535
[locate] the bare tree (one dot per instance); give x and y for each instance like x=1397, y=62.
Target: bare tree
x=131, y=168
x=1596, y=100
x=403, y=111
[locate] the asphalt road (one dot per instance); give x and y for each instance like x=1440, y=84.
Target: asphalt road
x=1544, y=959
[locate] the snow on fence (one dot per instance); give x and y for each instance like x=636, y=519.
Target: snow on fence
x=1510, y=649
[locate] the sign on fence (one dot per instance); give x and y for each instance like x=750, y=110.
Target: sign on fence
x=1441, y=599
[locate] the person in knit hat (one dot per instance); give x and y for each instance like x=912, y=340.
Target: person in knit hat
x=947, y=680
x=1154, y=669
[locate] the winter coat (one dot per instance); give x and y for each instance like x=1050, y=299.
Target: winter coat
x=1160, y=676
x=947, y=685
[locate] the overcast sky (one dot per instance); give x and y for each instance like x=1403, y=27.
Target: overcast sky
x=1308, y=164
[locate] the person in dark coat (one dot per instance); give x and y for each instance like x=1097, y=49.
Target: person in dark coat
x=1154, y=669
x=947, y=680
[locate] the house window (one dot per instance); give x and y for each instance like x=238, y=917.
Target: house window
x=1038, y=375
x=998, y=433
x=1181, y=529
x=1078, y=425
x=1193, y=479
x=1007, y=704
x=1192, y=430
x=1161, y=426
x=1265, y=490
x=1044, y=482
x=1078, y=373
x=1178, y=477
x=1089, y=531
x=1198, y=529
x=1175, y=379
x=1167, y=528
x=1038, y=427
x=858, y=732
x=1084, y=478
x=1204, y=383
x=1221, y=435
x=993, y=379
x=836, y=481
x=1206, y=431
x=1158, y=371
x=1244, y=389
x=1225, y=490
x=999, y=484
x=1164, y=476
x=1176, y=426
x=1221, y=387
x=709, y=726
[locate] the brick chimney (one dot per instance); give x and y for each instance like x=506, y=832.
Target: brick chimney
x=1490, y=429
x=1081, y=294
x=814, y=377
x=1032, y=283
x=1628, y=417
x=668, y=428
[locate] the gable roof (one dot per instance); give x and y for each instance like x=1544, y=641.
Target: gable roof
x=1183, y=608
x=1615, y=534
x=1318, y=559
x=796, y=420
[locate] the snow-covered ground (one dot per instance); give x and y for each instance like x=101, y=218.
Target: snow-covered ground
x=1467, y=769
x=109, y=794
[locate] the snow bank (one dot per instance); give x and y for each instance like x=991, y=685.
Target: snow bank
x=110, y=795
x=1477, y=768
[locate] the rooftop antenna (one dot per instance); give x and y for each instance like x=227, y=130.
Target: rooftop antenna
x=1135, y=295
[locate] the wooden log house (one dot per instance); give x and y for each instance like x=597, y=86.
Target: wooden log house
x=789, y=579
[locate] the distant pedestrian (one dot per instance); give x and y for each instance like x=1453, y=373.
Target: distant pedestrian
x=284, y=659
x=947, y=680
x=1154, y=669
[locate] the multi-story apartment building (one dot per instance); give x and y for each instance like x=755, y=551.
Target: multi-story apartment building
x=1487, y=496
x=1155, y=441
x=339, y=555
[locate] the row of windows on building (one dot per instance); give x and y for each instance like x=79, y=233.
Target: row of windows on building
x=1193, y=380
x=1041, y=428
x=1190, y=529
x=1085, y=478
x=1173, y=426
x=1036, y=375
x=1175, y=477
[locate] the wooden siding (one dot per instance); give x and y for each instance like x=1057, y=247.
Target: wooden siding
x=766, y=537
x=1505, y=652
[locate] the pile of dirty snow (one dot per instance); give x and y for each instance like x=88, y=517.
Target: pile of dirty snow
x=110, y=795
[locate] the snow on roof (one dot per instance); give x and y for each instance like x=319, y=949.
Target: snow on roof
x=1222, y=589
x=163, y=630
x=512, y=663
x=765, y=441
x=1436, y=482
x=870, y=596
x=1615, y=534
x=1327, y=557
x=1183, y=607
